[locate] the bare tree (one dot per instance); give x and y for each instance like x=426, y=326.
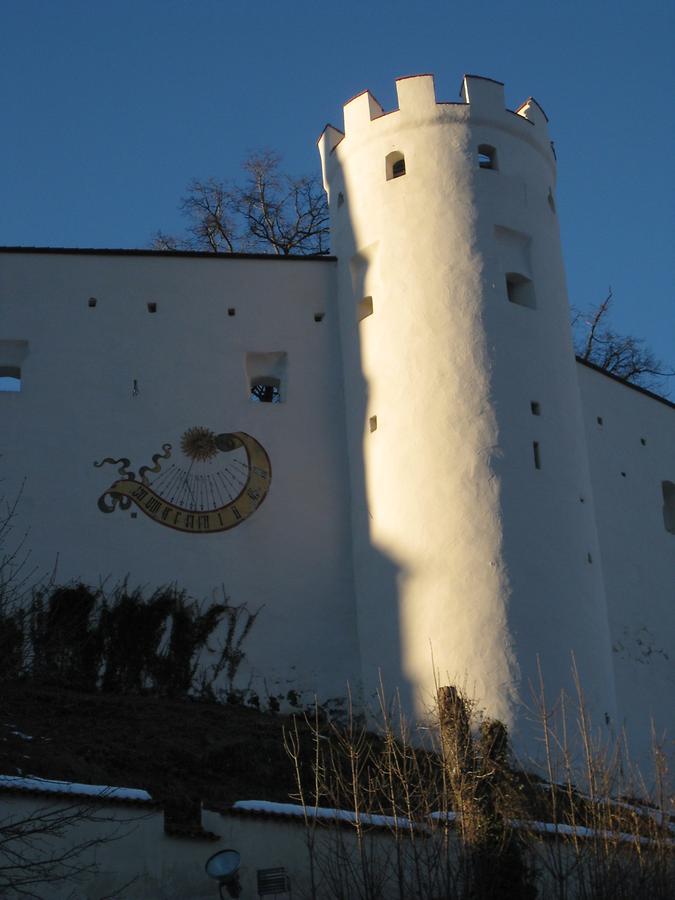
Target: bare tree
x=625, y=356
x=267, y=210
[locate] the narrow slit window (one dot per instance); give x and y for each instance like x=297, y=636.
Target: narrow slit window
x=10, y=379
x=395, y=165
x=537, y=454
x=372, y=423
x=668, y=489
x=520, y=290
x=487, y=157
x=536, y=408
x=365, y=308
x=341, y=199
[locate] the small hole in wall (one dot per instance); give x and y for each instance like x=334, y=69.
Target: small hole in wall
x=341, y=199
x=536, y=408
x=318, y=317
x=599, y=420
x=134, y=515
x=232, y=311
x=537, y=454
x=582, y=499
x=623, y=474
x=589, y=557
x=91, y=302
x=365, y=308
x=152, y=307
x=643, y=442
x=372, y=423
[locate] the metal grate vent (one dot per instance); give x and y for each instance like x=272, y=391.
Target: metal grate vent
x=273, y=881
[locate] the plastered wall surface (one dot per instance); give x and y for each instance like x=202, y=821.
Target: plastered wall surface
x=78, y=404
x=632, y=451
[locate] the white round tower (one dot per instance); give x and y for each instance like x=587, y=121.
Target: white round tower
x=474, y=533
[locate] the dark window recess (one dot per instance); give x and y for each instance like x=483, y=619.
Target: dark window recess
x=536, y=408
x=623, y=474
x=395, y=165
x=599, y=420
x=341, y=199
x=152, y=307
x=10, y=379
x=266, y=390
x=487, y=157
x=232, y=311
x=668, y=489
x=91, y=302
x=318, y=317
x=589, y=557
x=372, y=423
x=520, y=290
x=537, y=454
x=643, y=442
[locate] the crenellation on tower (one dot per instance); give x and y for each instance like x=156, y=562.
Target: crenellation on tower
x=416, y=97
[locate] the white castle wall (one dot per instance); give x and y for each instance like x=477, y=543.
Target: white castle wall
x=293, y=555
x=632, y=452
x=406, y=514
x=492, y=552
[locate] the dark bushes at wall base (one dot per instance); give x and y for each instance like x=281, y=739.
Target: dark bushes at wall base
x=123, y=642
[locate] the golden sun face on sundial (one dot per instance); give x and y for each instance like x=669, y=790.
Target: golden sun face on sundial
x=219, y=482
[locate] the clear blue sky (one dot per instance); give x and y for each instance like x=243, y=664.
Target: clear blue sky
x=109, y=108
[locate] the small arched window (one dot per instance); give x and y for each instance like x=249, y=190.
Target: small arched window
x=395, y=165
x=487, y=157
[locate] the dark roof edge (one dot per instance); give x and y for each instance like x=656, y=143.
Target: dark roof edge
x=199, y=254
x=628, y=384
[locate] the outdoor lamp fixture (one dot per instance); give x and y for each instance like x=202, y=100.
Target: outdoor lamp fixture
x=224, y=867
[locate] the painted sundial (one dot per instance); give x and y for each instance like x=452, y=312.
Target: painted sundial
x=216, y=482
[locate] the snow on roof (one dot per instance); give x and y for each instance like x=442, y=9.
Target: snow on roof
x=71, y=788
x=294, y=810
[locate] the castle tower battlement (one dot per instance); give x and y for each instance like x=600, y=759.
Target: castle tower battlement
x=469, y=472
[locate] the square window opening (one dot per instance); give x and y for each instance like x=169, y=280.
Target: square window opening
x=266, y=377
x=520, y=290
x=152, y=307
x=487, y=157
x=91, y=302
x=10, y=379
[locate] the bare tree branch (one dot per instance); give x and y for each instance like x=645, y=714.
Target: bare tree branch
x=268, y=210
x=625, y=356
